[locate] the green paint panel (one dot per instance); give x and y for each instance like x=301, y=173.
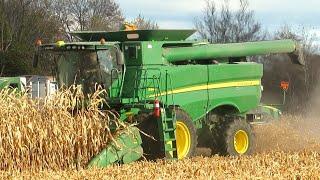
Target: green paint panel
x=273, y=112
x=197, y=88
x=240, y=93
x=12, y=82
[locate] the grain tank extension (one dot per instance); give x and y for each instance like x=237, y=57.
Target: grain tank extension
x=185, y=94
x=234, y=50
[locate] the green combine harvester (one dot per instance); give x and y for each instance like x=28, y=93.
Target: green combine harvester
x=18, y=83
x=185, y=94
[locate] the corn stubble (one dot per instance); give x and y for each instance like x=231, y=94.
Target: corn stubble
x=51, y=133
x=271, y=165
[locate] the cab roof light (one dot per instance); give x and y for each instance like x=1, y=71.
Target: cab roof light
x=133, y=36
x=38, y=42
x=60, y=43
x=102, y=41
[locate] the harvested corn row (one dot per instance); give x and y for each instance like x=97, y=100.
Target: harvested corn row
x=272, y=165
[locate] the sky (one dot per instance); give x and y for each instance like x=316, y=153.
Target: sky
x=273, y=14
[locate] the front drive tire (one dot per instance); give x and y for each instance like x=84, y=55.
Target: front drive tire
x=186, y=135
x=151, y=143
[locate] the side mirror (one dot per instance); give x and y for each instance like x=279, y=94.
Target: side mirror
x=35, y=59
x=120, y=58
x=36, y=53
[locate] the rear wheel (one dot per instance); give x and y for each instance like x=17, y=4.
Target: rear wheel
x=234, y=138
x=240, y=142
x=186, y=135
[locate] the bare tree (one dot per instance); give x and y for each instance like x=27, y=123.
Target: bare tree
x=222, y=25
x=307, y=50
x=2, y=21
x=303, y=79
x=21, y=23
x=104, y=15
x=12, y=21
x=302, y=35
x=61, y=10
x=143, y=23
x=88, y=14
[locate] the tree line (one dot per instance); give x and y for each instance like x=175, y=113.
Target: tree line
x=22, y=22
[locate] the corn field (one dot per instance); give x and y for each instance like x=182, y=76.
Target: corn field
x=283, y=151
x=50, y=138
x=51, y=133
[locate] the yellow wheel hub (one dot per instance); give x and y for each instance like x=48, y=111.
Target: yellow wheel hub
x=183, y=140
x=241, y=142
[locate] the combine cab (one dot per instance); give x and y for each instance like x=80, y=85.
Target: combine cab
x=183, y=93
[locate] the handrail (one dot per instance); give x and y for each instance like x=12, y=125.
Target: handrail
x=112, y=78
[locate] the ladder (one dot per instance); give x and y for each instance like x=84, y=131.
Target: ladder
x=168, y=125
x=167, y=131
x=167, y=122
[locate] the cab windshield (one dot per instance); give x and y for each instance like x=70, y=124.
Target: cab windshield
x=87, y=68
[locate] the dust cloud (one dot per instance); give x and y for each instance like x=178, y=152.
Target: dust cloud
x=292, y=132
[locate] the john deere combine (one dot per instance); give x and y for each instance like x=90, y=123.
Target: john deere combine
x=182, y=93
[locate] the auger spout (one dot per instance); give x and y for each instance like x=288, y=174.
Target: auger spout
x=230, y=50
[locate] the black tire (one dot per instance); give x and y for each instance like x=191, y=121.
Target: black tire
x=224, y=137
x=149, y=133
x=184, y=118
